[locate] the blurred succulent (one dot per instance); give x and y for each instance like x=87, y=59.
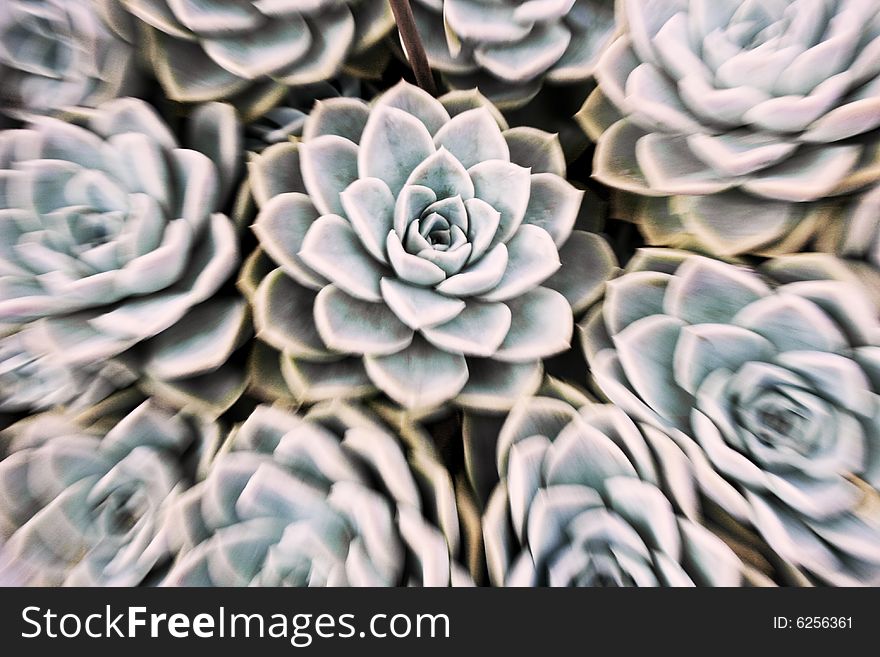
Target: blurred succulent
x=480, y=431
x=509, y=48
x=750, y=105
x=249, y=52
x=85, y=507
x=822, y=266
x=33, y=382
x=773, y=391
x=288, y=119
x=57, y=54
x=109, y=242
x=329, y=499
x=852, y=229
x=589, y=498
x=728, y=224
x=423, y=249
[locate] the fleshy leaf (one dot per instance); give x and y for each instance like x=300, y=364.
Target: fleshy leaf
x=542, y=325
x=350, y=325
x=532, y=258
x=420, y=376
x=332, y=248
x=473, y=137
x=393, y=144
x=478, y=330
x=329, y=164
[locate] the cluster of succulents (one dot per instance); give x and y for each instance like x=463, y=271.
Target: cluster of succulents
x=277, y=310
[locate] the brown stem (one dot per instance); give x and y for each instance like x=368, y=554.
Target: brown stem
x=412, y=43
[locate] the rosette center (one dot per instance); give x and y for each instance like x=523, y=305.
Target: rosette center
x=439, y=234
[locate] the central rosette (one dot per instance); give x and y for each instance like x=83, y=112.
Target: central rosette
x=441, y=228
x=781, y=412
x=419, y=246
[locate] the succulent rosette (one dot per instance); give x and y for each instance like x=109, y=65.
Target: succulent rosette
x=331, y=498
x=423, y=250
x=509, y=48
x=249, y=52
x=480, y=431
x=590, y=498
x=59, y=54
x=110, y=242
x=773, y=391
x=747, y=106
x=32, y=381
x=85, y=506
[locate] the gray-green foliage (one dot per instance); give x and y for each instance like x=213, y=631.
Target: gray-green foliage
x=56, y=55
x=87, y=506
x=773, y=391
x=248, y=52
x=423, y=249
x=746, y=109
x=587, y=497
x=384, y=389
x=331, y=498
x=509, y=49
x=110, y=240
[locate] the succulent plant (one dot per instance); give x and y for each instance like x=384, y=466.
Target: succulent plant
x=773, y=391
x=331, y=498
x=480, y=431
x=729, y=224
x=110, y=242
x=83, y=506
x=852, y=229
x=589, y=498
x=825, y=266
x=354, y=364
x=750, y=105
x=253, y=50
x=509, y=48
x=285, y=122
x=423, y=250
x=34, y=382
x=58, y=54
x=288, y=119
